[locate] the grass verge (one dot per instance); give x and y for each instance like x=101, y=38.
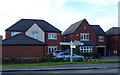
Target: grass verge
x=57, y=63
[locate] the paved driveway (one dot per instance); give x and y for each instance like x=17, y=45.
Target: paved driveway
x=110, y=58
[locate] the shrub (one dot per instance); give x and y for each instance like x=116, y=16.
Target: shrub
x=76, y=51
x=86, y=54
x=86, y=59
x=79, y=59
x=13, y=59
x=19, y=60
x=48, y=55
x=95, y=56
x=62, y=59
x=27, y=60
x=34, y=60
x=5, y=61
x=41, y=59
x=56, y=60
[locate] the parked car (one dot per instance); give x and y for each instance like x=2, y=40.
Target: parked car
x=56, y=52
x=66, y=55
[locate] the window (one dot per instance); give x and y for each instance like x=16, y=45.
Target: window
x=101, y=38
x=52, y=35
x=35, y=34
x=51, y=49
x=85, y=49
x=115, y=51
x=15, y=33
x=84, y=36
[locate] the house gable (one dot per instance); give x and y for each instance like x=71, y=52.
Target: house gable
x=84, y=28
x=40, y=33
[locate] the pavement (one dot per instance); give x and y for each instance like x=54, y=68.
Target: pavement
x=68, y=66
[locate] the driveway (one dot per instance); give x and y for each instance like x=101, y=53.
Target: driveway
x=110, y=58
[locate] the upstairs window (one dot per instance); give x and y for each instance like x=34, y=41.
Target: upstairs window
x=52, y=35
x=35, y=34
x=15, y=33
x=100, y=38
x=84, y=36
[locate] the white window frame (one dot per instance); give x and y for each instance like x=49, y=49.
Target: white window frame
x=52, y=35
x=35, y=34
x=100, y=38
x=84, y=36
x=86, y=49
x=15, y=33
x=51, y=49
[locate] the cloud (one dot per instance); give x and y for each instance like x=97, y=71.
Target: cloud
x=98, y=2
x=50, y=10
x=105, y=22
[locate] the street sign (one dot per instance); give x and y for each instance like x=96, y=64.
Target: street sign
x=71, y=43
x=66, y=43
x=72, y=46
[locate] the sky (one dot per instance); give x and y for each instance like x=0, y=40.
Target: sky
x=59, y=13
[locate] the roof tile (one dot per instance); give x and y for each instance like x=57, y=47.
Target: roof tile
x=21, y=39
x=25, y=24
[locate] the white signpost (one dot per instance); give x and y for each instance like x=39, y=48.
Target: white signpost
x=72, y=45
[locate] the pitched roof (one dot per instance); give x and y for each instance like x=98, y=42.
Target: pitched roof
x=25, y=24
x=72, y=28
x=113, y=31
x=21, y=39
x=97, y=29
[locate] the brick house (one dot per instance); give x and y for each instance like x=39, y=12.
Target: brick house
x=23, y=46
x=93, y=37
x=37, y=29
x=113, y=41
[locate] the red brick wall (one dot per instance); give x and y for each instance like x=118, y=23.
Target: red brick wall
x=102, y=43
x=8, y=33
x=113, y=43
x=23, y=51
x=85, y=28
x=54, y=42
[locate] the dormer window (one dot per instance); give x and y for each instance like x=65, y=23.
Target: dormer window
x=15, y=33
x=52, y=35
x=101, y=38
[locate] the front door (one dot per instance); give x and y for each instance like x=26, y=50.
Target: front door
x=101, y=51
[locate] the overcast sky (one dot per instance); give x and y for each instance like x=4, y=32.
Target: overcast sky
x=59, y=13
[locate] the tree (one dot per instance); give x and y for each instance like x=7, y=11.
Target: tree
x=76, y=50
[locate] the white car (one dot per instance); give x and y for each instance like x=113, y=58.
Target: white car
x=56, y=52
x=68, y=55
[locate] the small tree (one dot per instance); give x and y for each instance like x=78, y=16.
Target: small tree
x=76, y=50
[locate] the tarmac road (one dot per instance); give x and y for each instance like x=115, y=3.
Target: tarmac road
x=68, y=69
x=65, y=72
